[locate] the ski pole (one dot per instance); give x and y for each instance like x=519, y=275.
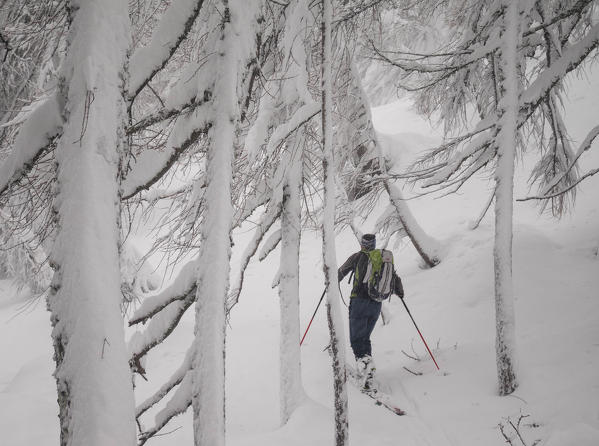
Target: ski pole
x=317, y=306
x=421, y=337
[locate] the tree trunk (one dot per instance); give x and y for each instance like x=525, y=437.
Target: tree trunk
x=328, y=234
x=208, y=370
x=504, y=177
x=426, y=246
x=95, y=393
x=291, y=389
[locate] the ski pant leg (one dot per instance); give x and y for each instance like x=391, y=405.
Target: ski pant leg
x=373, y=316
x=363, y=314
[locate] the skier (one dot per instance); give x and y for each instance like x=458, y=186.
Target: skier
x=364, y=311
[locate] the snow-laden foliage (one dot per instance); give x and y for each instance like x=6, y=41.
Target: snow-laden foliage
x=460, y=85
x=22, y=261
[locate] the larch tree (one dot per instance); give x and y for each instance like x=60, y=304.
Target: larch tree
x=335, y=321
x=294, y=98
x=508, y=80
x=95, y=395
x=208, y=365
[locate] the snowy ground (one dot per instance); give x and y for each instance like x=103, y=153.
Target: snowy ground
x=556, y=269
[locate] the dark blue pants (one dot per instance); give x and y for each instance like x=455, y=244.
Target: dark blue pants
x=363, y=314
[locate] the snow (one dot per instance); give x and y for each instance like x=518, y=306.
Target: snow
x=556, y=278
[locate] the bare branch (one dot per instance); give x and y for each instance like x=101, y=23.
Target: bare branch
x=562, y=191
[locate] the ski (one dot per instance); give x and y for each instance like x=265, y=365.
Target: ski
x=380, y=398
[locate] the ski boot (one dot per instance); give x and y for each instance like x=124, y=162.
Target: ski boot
x=366, y=370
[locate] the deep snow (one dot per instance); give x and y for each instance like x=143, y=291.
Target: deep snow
x=556, y=274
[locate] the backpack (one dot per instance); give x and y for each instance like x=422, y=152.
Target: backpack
x=379, y=274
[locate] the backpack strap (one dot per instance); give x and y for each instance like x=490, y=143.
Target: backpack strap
x=356, y=277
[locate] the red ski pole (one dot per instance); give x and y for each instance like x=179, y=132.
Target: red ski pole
x=317, y=306
x=421, y=337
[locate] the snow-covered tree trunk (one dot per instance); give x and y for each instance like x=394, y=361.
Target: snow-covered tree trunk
x=208, y=370
x=95, y=393
x=291, y=389
x=427, y=247
x=328, y=235
x=504, y=176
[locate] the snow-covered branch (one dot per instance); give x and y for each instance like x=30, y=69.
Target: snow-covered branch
x=151, y=165
x=270, y=216
x=427, y=247
x=445, y=69
x=178, y=404
x=576, y=9
x=584, y=146
x=181, y=288
x=173, y=28
x=36, y=135
x=175, y=379
x=569, y=60
x=299, y=118
x=270, y=244
x=164, y=311
x=168, y=113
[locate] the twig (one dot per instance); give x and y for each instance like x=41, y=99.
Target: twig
x=410, y=356
x=517, y=430
x=517, y=397
x=484, y=211
x=104, y=345
x=413, y=373
x=167, y=433
x=414, y=350
x=507, y=439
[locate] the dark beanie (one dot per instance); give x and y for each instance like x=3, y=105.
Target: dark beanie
x=368, y=241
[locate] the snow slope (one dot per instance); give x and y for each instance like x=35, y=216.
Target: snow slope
x=556, y=271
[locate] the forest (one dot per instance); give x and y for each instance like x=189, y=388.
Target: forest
x=165, y=165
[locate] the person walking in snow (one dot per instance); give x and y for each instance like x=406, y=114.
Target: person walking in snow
x=363, y=310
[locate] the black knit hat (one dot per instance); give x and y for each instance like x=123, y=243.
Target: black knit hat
x=368, y=241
